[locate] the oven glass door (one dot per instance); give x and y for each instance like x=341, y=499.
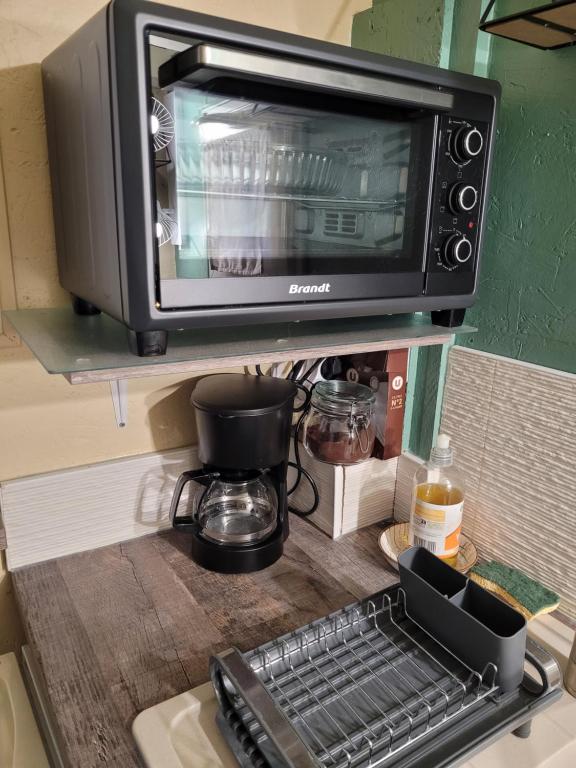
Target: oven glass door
x=289, y=191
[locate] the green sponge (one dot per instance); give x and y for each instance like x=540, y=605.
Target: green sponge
x=528, y=597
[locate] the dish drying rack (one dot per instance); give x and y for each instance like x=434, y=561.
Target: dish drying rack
x=351, y=690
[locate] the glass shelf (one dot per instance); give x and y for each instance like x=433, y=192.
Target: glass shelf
x=89, y=349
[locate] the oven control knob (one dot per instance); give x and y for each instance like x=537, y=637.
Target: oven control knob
x=467, y=143
x=456, y=250
x=462, y=198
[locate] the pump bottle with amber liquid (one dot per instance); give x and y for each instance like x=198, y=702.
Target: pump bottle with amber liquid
x=437, y=504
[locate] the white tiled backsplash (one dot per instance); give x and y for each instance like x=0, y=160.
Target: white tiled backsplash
x=513, y=426
x=77, y=509
x=73, y=510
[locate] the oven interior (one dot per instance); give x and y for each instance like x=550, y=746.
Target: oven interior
x=261, y=180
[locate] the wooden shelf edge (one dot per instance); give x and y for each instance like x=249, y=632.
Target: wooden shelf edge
x=210, y=364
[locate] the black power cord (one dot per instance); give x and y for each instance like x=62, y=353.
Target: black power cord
x=301, y=472
x=305, y=377
x=303, y=411
x=297, y=463
x=295, y=370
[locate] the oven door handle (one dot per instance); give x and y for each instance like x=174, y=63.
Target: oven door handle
x=204, y=62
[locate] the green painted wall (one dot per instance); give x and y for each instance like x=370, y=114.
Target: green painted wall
x=414, y=30
x=409, y=29
x=527, y=301
x=464, y=35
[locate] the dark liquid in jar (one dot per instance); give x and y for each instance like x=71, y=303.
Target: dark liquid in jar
x=340, y=447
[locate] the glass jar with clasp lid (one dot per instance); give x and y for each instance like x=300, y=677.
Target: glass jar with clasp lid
x=339, y=427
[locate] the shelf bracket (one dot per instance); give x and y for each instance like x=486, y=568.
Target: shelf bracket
x=119, y=390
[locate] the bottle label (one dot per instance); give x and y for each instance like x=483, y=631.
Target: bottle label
x=437, y=527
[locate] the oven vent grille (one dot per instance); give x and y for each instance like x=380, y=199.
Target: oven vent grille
x=343, y=224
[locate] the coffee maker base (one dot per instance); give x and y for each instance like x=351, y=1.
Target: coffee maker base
x=233, y=559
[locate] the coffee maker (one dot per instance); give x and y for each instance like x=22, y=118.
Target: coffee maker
x=239, y=517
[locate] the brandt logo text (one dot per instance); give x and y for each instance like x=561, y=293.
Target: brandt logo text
x=324, y=288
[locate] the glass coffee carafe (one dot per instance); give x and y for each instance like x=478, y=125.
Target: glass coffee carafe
x=237, y=508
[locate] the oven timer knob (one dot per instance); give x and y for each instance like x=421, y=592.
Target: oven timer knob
x=462, y=198
x=456, y=250
x=467, y=144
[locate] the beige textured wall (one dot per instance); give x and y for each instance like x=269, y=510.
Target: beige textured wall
x=45, y=423
x=512, y=426
x=29, y=29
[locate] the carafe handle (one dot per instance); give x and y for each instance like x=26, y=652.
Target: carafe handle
x=186, y=523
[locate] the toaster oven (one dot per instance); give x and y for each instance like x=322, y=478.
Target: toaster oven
x=207, y=172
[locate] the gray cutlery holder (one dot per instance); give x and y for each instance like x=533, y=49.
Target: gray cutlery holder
x=472, y=623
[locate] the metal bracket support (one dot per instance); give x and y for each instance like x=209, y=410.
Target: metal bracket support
x=119, y=391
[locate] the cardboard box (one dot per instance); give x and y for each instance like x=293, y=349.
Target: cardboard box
x=350, y=497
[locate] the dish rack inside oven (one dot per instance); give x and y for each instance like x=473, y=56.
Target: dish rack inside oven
x=348, y=691
x=238, y=165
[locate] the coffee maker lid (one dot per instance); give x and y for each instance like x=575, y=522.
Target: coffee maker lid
x=240, y=394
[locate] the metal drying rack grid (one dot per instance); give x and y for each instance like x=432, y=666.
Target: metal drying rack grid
x=364, y=683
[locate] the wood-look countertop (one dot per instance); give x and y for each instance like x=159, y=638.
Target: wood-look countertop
x=121, y=628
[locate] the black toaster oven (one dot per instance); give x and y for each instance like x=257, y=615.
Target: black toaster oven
x=206, y=172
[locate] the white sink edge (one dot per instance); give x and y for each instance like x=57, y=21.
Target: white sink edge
x=27, y=750
x=564, y=758
x=7, y=728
